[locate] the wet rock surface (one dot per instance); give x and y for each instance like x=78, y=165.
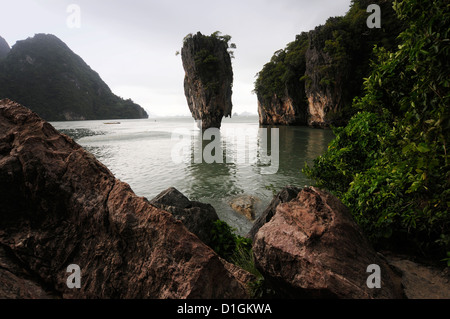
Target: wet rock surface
x=312, y=248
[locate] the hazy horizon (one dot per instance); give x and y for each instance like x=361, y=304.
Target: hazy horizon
x=132, y=44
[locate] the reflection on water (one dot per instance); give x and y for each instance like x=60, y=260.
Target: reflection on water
x=217, y=179
x=139, y=152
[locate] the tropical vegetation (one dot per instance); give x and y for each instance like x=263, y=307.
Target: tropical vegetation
x=390, y=164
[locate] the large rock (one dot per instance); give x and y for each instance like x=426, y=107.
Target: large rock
x=197, y=217
x=209, y=78
x=245, y=205
x=312, y=247
x=285, y=195
x=60, y=206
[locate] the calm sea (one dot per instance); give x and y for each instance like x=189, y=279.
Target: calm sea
x=141, y=153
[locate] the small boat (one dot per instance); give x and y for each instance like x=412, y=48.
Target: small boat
x=111, y=123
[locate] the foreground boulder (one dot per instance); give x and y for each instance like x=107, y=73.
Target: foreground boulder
x=198, y=217
x=60, y=206
x=312, y=248
x=285, y=195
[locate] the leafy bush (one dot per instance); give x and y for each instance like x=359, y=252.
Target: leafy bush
x=390, y=165
x=354, y=150
x=238, y=250
x=227, y=244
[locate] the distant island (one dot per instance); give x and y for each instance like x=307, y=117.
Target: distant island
x=43, y=73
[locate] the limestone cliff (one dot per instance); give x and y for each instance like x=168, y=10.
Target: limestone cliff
x=4, y=48
x=314, y=79
x=209, y=78
x=282, y=110
x=284, y=102
x=325, y=88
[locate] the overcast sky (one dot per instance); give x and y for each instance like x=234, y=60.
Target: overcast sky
x=132, y=43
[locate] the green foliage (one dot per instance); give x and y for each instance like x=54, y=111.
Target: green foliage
x=227, y=244
x=447, y=260
x=209, y=57
x=43, y=74
x=354, y=149
x=223, y=239
x=238, y=250
x=390, y=165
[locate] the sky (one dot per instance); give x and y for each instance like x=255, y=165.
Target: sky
x=131, y=44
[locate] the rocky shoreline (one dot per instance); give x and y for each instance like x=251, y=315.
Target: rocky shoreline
x=60, y=206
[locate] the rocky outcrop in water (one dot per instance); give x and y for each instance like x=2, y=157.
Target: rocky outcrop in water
x=208, y=78
x=244, y=205
x=312, y=248
x=60, y=206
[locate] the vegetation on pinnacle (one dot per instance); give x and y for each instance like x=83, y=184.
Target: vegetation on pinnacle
x=208, y=78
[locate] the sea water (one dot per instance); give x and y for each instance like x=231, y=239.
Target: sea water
x=141, y=153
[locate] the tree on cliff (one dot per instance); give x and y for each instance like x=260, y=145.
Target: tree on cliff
x=209, y=76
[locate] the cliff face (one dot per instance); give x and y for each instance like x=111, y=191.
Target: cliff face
x=324, y=90
x=46, y=75
x=60, y=206
x=208, y=78
x=284, y=102
x=4, y=48
x=280, y=111
x=314, y=79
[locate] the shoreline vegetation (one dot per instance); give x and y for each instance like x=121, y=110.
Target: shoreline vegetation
x=390, y=164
